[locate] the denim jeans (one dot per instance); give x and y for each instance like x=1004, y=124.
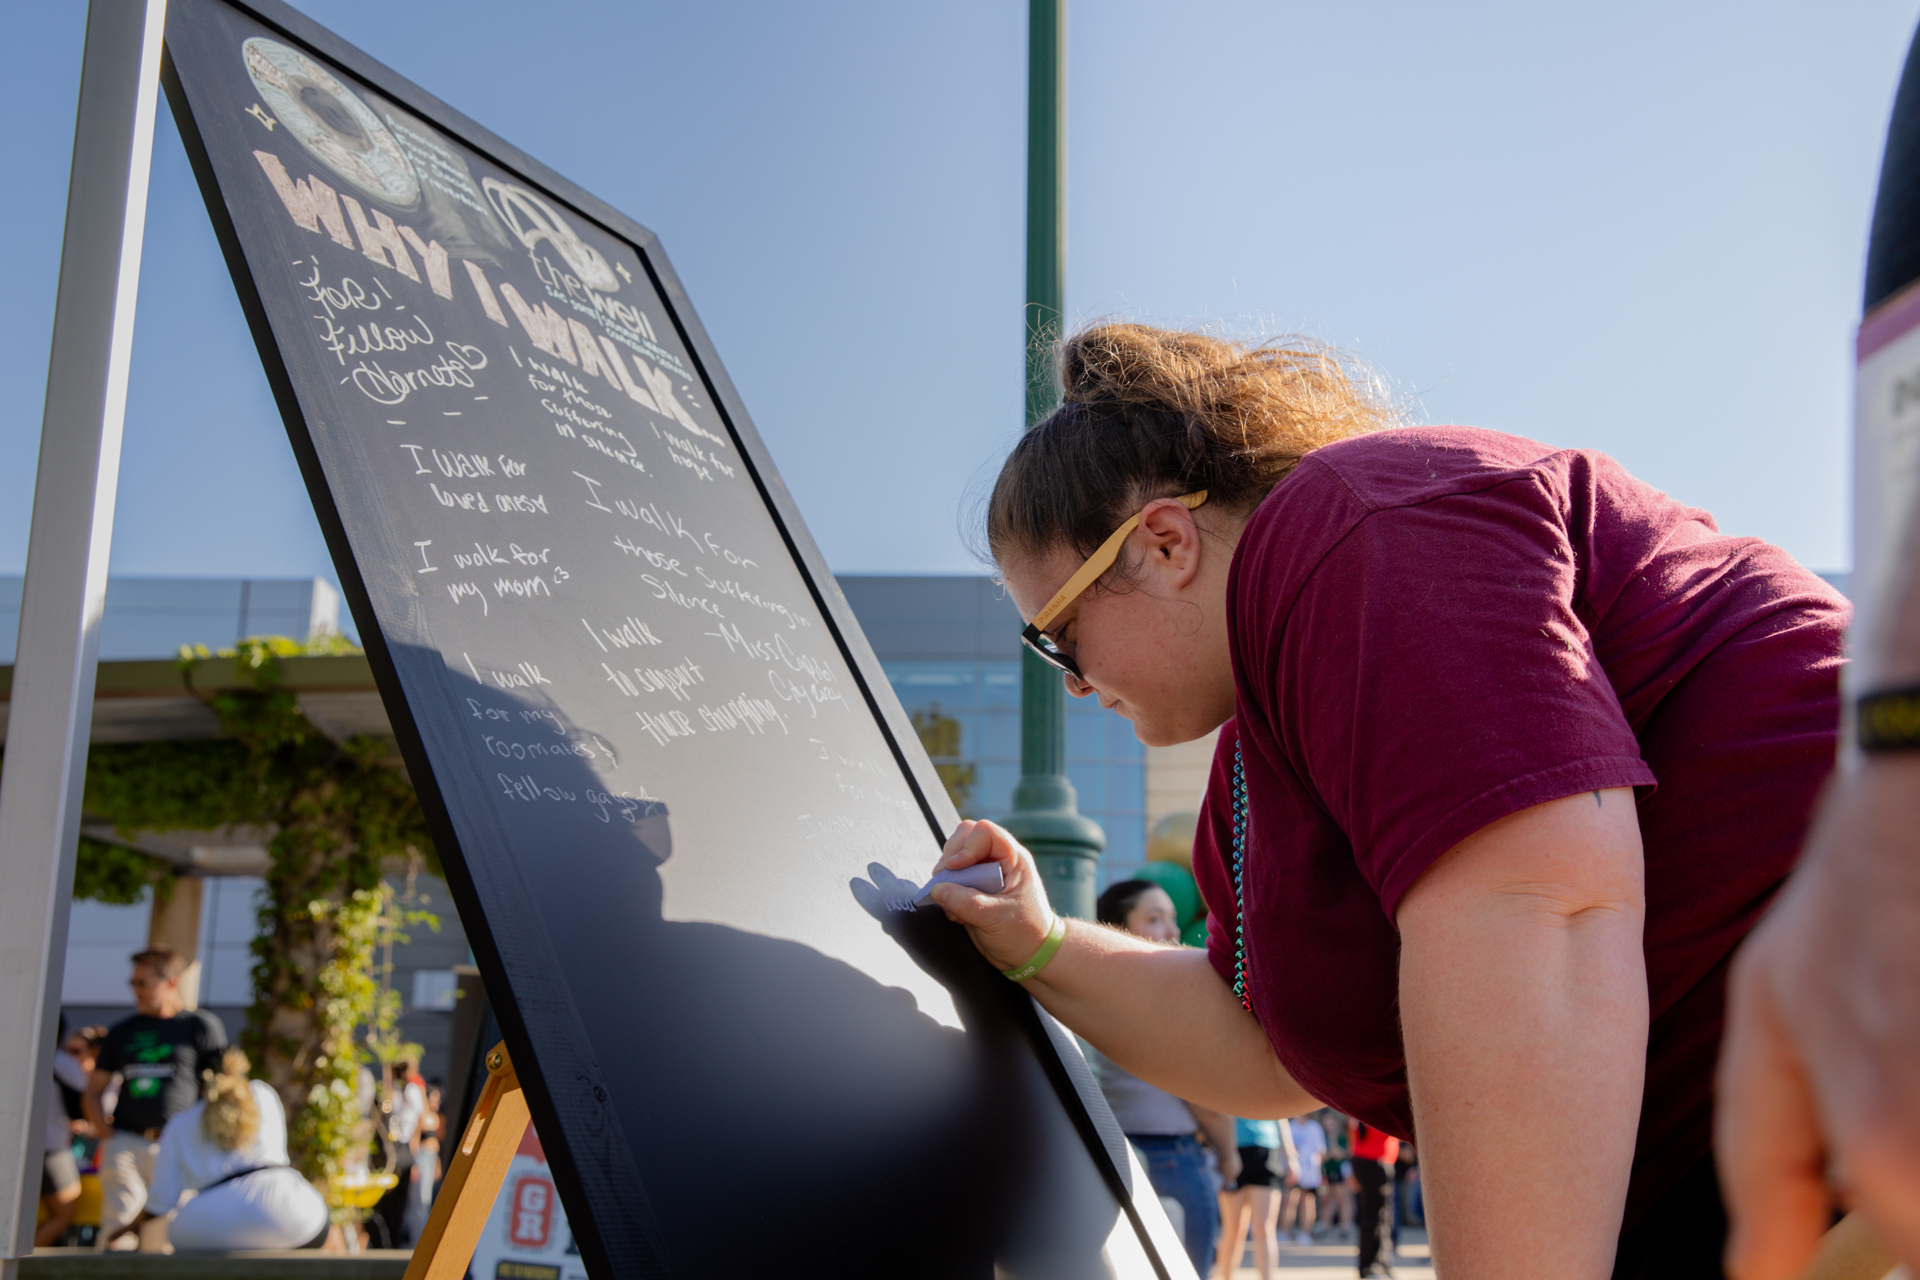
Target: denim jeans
x=1177, y=1168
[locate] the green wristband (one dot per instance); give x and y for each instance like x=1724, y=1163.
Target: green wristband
x=1038, y=960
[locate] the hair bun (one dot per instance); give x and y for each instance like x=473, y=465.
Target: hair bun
x=1150, y=413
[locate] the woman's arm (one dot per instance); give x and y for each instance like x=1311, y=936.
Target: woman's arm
x=1523, y=997
x=1218, y=1126
x=1288, y=1150
x=93, y=1100
x=1161, y=1012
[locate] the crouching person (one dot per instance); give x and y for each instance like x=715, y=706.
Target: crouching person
x=231, y=1149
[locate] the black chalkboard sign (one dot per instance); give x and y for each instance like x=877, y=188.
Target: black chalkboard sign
x=653, y=747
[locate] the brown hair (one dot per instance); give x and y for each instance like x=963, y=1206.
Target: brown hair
x=1154, y=413
x=232, y=1115
x=169, y=965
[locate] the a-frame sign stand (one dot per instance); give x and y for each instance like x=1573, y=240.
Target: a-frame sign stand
x=60, y=606
x=473, y=1177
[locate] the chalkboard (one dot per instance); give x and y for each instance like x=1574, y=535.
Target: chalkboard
x=653, y=747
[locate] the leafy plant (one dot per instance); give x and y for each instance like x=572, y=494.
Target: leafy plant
x=110, y=873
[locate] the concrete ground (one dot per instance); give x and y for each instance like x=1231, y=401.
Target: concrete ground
x=1335, y=1260
x=1329, y=1260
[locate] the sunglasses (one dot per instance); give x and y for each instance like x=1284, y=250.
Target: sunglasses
x=1035, y=636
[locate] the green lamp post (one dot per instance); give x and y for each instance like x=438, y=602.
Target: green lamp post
x=1045, y=816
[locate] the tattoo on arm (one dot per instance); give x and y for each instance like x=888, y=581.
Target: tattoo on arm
x=1598, y=803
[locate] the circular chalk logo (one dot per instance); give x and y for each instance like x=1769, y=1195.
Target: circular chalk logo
x=332, y=123
x=533, y=221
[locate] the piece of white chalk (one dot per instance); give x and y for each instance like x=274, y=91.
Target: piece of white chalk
x=984, y=876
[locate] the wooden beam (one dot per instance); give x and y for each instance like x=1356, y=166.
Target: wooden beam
x=473, y=1179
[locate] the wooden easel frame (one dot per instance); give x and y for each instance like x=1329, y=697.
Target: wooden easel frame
x=472, y=1180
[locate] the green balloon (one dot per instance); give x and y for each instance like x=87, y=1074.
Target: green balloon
x=1196, y=934
x=1178, y=882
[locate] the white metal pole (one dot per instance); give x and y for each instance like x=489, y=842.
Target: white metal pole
x=66, y=577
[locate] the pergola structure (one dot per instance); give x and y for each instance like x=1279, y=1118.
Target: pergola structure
x=163, y=701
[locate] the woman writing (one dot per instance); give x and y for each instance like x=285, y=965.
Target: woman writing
x=1515, y=747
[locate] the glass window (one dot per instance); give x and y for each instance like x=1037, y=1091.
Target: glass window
x=952, y=682
x=1000, y=684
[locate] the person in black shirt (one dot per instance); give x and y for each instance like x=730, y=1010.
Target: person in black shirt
x=158, y=1053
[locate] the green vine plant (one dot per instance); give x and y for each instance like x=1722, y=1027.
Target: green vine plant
x=114, y=874
x=339, y=813
x=355, y=992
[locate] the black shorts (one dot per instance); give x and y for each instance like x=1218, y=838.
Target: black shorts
x=1256, y=1169
x=58, y=1172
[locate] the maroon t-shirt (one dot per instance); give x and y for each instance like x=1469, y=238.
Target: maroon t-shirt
x=1433, y=628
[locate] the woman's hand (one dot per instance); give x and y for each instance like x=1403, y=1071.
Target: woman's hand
x=1231, y=1166
x=1008, y=926
x=1161, y=1012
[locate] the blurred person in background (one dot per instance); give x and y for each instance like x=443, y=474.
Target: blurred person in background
x=1161, y=1127
x=83, y=1046
x=226, y=1157
x=1303, y=1198
x=1250, y=1205
x=1409, y=1208
x=159, y=1054
x=426, y=1161
x=407, y=1103
x=59, y=1171
x=1337, y=1175
x=1374, y=1154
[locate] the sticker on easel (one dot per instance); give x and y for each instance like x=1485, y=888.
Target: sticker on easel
x=526, y=1236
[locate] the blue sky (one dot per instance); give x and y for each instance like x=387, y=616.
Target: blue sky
x=1638, y=228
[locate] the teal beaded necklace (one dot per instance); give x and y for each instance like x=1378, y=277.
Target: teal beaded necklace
x=1240, y=985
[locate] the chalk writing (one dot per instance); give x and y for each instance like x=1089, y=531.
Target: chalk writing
x=527, y=789
x=464, y=501
x=524, y=588
x=665, y=563
x=524, y=676
x=810, y=694
x=743, y=712
x=392, y=386
x=664, y=727
x=775, y=649
x=479, y=556
x=731, y=587
x=675, y=680
x=365, y=339
x=667, y=591
x=629, y=808
x=510, y=750
x=630, y=634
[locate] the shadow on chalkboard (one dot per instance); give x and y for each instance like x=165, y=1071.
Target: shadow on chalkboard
x=784, y=1108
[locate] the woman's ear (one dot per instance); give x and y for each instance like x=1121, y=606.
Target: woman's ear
x=1172, y=539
